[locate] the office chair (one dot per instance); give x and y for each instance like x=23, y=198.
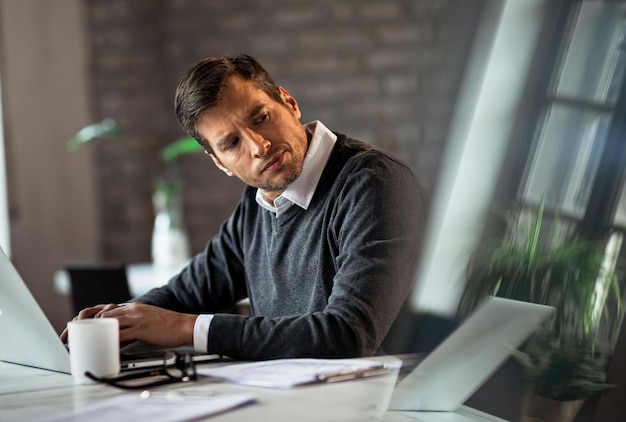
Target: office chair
x=93, y=284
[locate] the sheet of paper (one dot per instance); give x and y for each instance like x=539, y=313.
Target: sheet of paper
x=133, y=408
x=285, y=373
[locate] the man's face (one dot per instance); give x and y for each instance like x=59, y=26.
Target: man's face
x=256, y=138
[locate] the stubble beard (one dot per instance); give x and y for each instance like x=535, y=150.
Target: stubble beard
x=295, y=170
x=279, y=185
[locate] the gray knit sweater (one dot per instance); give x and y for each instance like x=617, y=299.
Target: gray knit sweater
x=324, y=282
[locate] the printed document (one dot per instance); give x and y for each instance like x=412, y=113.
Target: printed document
x=286, y=373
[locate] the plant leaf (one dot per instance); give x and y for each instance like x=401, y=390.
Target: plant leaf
x=107, y=128
x=180, y=147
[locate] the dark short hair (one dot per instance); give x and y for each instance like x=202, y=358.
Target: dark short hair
x=202, y=87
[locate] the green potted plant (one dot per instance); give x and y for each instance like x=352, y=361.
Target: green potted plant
x=170, y=246
x=563, y=369
x=566, y=360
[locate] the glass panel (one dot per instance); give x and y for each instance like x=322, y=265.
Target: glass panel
x=595, y=60
x=566, y=159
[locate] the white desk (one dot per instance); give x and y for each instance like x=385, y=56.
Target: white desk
x=36, y=393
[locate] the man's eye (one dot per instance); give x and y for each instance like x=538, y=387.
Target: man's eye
x=232, y=143
x=262, y=118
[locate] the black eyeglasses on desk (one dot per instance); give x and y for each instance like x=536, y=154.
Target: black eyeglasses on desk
x=176, y=368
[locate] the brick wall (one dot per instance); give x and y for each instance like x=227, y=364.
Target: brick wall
x=383, y=71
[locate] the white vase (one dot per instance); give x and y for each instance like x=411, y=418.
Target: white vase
x=170, y=244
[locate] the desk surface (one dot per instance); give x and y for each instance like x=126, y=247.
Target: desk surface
x=28, y=393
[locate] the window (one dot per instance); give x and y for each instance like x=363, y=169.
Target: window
x=577, y=166
x=580, y=109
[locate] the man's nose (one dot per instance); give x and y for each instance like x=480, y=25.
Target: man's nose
x=258, y=144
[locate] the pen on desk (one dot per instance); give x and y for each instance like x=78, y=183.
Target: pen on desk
x=359, y=373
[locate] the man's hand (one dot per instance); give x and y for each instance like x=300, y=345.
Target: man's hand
x=147, y=323
x=87, y=313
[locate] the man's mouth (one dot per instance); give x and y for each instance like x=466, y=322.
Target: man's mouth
x=274, y=163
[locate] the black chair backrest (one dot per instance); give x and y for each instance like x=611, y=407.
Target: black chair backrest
x=93, y=284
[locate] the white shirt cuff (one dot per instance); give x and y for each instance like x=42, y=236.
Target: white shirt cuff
x=201, y=333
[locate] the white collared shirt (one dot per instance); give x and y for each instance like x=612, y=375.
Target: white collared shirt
x=300, y=193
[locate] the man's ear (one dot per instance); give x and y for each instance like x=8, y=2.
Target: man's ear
x=290, y=102
x=219, y=164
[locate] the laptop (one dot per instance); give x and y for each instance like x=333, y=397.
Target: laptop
x=452, y=372
x=29, y=338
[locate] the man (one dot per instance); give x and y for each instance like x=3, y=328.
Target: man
x=324, y=241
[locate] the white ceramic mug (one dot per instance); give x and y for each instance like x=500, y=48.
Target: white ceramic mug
x=95, y=347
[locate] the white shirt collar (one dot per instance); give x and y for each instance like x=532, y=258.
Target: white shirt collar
x=301, y=191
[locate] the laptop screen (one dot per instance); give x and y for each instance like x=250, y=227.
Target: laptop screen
x=471, y=354
x=29, y=338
